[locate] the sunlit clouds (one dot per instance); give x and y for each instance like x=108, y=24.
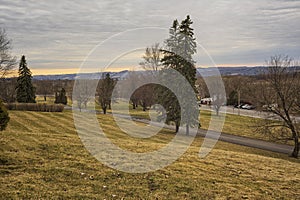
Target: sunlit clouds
x=56, y=36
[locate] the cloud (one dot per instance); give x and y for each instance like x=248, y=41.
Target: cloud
x=63, y=32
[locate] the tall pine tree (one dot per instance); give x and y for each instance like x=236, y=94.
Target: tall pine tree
x=187, y=41
x=180, y=47
x=25, y=89
x=172, y=43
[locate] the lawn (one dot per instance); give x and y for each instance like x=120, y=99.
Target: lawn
x=234, y=124
x=121, y=107
x=50, y=100
x=241, y=126
x=42, y=157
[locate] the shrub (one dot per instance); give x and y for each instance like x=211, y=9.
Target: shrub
x=60, y=97
x=38, y=107
x=4, y=117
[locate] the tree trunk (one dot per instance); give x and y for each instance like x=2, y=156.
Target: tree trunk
x=45, y=98
x=296, y=148
x=177, y=128
x=79, y=106
x=217, y=111
x=144, y=107
x=187, y=129
x=133, y=106
x=104, y=109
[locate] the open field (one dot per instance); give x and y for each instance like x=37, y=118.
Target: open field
x=42, y=157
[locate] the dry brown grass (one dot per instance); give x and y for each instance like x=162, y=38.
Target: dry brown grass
x=42, y=157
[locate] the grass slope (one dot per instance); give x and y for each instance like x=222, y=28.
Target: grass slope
x=42, y=157
x=242, y=126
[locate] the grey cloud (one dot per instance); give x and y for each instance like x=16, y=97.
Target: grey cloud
x=65, y=31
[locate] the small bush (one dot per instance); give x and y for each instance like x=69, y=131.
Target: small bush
x=38, y=107
x=4, y=118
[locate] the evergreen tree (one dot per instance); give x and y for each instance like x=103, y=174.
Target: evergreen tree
x=172, y=43
x=4, y=117
x=168, y=100
x=180, y=47
x=105, y=89
x=63, y=96
x=25, y=89
x=187, y=40
x=60, y=97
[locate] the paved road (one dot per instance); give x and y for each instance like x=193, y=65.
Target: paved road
x=254, y=143
x=240, y=140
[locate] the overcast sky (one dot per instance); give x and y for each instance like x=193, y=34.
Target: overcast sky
x=57, y=35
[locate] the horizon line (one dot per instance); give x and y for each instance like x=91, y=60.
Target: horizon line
x=47, y=72
x=125, y=69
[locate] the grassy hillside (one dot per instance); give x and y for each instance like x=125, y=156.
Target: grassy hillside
x=42, y=157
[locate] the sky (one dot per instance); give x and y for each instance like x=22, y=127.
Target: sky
x=58, y=37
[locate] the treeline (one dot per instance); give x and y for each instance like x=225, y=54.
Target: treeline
x=239, y=89
x=20, y=93
x=44, y=88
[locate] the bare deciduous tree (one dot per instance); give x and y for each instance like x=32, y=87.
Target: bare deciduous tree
x=152, y=58
x=83, y=93
x=145, y=96
x=217, y=92
x=240, y=89
x=7, y=62
x=279, y=94
x=202, y=88
x=132, y=81
x=7, y=89
x=44, y=87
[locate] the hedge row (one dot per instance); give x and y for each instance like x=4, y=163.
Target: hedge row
x=38, y=107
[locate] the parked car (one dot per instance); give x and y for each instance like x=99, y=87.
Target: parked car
x=239, y=105
x=248, y=107
x=245, y=106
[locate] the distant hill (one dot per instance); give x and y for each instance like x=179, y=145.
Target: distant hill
x=97, y=75
x=224, y=71
x=231, y=71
